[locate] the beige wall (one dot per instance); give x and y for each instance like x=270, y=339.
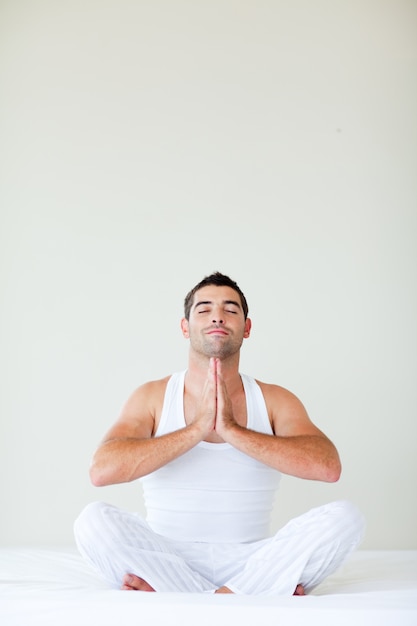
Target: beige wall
x=146, y=144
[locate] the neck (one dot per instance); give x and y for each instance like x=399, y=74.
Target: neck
x=198, y=368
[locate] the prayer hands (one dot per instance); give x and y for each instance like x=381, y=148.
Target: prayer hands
x=216, y=410
x=224, y=413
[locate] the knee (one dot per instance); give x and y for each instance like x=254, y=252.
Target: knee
x=88, y=521
x=350, y=517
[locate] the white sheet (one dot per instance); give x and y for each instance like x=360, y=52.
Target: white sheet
x=42, y=587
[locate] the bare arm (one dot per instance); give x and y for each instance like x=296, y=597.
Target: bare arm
x=297, y=447
x=129, y=450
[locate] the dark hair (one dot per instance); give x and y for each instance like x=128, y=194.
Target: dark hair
x=214, y=279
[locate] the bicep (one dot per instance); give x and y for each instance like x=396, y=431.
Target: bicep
x=136, y=420
x=288, y=415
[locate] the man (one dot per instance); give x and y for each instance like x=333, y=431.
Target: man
x=209, y=445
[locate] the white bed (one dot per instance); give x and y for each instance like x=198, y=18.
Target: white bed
x=42, y=587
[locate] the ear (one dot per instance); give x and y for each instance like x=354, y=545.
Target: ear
x=248, y=326
x=185, y=328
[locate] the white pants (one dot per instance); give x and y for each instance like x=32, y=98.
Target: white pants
x=304, y=551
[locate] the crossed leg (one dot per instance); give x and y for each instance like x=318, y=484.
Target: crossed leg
x=134, y=583
x=293, y=561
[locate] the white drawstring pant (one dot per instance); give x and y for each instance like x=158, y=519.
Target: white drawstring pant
x=305, y=551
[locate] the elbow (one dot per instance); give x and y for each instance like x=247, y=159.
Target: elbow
x=103, y=473
x=332, y=477
x=333, y=472
x=98, y=477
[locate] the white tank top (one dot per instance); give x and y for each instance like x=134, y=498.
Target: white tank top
x=212, y=493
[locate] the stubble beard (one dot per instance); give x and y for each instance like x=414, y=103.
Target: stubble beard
x=220, y=348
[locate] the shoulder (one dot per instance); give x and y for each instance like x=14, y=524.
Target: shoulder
x=153, y=386
x=276, y=393
x=140, y=412
x=150, y=393
x=146, y=401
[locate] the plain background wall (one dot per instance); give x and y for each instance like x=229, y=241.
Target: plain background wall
x=145, y=144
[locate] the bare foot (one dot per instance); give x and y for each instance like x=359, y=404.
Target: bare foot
x=299, y=591
x=134, y=583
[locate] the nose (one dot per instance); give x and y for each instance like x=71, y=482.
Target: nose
x=217, y=314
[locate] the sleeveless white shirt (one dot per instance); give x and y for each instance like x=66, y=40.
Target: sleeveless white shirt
x=212, y=493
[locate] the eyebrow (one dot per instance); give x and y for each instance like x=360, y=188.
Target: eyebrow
x=205, y=302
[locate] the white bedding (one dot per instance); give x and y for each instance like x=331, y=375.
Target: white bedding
x=42, y=587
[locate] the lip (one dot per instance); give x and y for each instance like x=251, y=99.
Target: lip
x=217, y=331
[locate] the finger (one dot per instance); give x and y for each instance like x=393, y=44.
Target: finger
x=221, y=385
x=210, y=384
x=218, y=366
x=222, y=394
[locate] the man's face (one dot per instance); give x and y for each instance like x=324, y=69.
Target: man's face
x=217, y=324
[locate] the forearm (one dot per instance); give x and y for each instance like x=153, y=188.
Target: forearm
x=312, y=457
x=122, y=460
